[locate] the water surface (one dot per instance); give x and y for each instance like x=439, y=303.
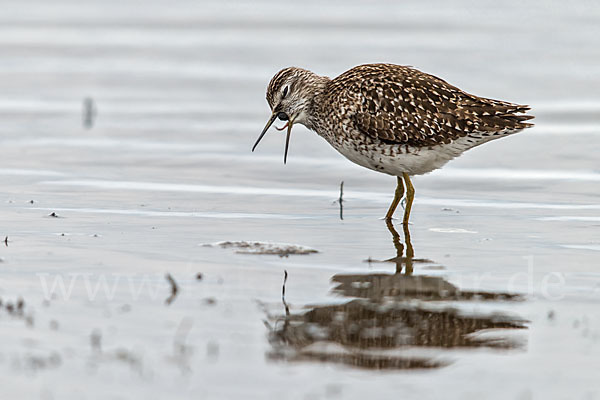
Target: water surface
x=494, y=296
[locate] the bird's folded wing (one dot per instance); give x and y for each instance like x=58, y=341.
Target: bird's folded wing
x=405, y=106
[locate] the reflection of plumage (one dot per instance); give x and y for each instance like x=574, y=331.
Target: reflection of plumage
x=361, y=326
x=401, y=287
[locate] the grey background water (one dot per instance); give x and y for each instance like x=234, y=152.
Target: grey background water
x=179, y=90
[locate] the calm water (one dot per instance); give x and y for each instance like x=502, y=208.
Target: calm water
x=493, y=293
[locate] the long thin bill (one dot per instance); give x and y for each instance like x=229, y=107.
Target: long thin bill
x=271, y=120
x=287, y=140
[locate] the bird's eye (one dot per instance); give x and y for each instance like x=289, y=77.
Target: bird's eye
x=282, y=116
x=285, y=90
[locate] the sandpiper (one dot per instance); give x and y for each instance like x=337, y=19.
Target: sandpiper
x=390, y=118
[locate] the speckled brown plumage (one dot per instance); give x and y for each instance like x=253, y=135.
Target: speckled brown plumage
x=398, y=104
x=401, y=105
x=391, y=118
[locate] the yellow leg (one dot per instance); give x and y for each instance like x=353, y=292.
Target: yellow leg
x=397, y=197
x=410, y=195
x=400, y=258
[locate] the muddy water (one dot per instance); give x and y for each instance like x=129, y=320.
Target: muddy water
x=492, y=292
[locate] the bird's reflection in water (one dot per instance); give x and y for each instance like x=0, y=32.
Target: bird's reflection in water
x=403, y=284
x=394, y=320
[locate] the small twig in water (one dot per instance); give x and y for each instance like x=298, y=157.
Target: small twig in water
x=174, y=289
x=6, y=241
x=287, y=309
x=341, y=200
x=89, y=112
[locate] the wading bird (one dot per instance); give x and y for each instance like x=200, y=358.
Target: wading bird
x=390, y=118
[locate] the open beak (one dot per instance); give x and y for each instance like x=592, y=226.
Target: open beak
x=287, y=138
x=271, y=120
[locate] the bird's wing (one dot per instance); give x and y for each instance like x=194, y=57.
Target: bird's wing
x=398, y=104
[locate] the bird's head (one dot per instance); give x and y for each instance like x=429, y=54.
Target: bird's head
x=289, y=94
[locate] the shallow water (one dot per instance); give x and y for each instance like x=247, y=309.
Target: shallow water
x=507, y=233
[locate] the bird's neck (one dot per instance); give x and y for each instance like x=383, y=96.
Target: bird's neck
x=318, y=90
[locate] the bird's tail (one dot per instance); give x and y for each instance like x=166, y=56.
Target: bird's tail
x=501, y=116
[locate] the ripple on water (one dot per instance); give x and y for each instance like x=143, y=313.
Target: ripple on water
x=292, y=192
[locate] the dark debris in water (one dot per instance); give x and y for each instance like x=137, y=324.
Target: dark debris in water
x=209, y=301
x=128, y=357
x=96, y=340
x=42, y=362
x=279, y=249
x=174, y=289
x=16, y=310
x=120, y=355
